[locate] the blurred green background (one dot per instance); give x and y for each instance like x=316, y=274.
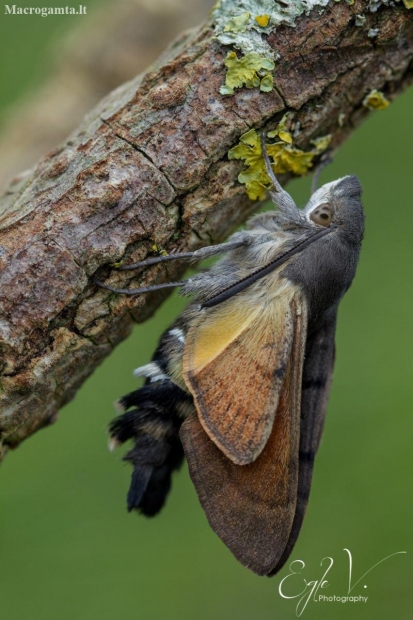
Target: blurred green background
x=68, y=548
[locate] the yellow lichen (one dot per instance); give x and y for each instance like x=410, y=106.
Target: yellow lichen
x=262, y=20
x=238, y=23
x=322, y=143
x=286, y=158
x=254, y=177
x=290, y=159
x=282, y=132
x=251, y=70
x=375, y=100
x=158, y=250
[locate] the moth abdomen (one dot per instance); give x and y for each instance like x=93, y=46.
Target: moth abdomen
x=306, y=455
x=317, y=383
x=152, y=422
x=151, y=476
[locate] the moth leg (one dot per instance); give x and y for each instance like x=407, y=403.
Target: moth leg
x=152, y=420
x=314, y=183
x=280, y=197
x=239, y=240
x=139, y=291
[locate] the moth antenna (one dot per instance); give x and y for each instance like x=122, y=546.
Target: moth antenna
x=139, y=291
x=280, y=197
x=316, y=176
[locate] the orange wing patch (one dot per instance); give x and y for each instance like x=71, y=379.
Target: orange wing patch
x=234, y=366
x=251, y=507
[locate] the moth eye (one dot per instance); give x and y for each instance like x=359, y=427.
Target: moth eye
x=322, y=215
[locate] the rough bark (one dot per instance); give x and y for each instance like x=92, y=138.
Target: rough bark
x=147, y=166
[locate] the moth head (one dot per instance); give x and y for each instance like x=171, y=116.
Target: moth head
x=338, y=204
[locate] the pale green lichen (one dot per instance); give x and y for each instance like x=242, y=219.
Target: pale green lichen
x=375, y=100
x=375, y=4
x=286, y=158
x=360, y=20
x=251, y=70
x=237, y=24
x=265, y=15
x=241, y=26
x=267, y=83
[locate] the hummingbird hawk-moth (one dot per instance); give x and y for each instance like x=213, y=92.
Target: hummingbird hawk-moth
x=239, y=383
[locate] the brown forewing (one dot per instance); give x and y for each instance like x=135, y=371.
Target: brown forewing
x=251, y=507
x=234, y=365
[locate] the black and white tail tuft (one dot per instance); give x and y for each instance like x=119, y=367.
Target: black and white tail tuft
x=152, y=422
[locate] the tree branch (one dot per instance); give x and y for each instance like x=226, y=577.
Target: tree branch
x=149, y=165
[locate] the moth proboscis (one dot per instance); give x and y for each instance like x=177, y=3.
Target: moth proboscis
x=239, y=383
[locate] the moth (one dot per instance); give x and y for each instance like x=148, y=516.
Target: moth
x=239, y=383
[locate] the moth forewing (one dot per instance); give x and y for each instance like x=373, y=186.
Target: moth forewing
x=251, y=507
x=234, y=365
